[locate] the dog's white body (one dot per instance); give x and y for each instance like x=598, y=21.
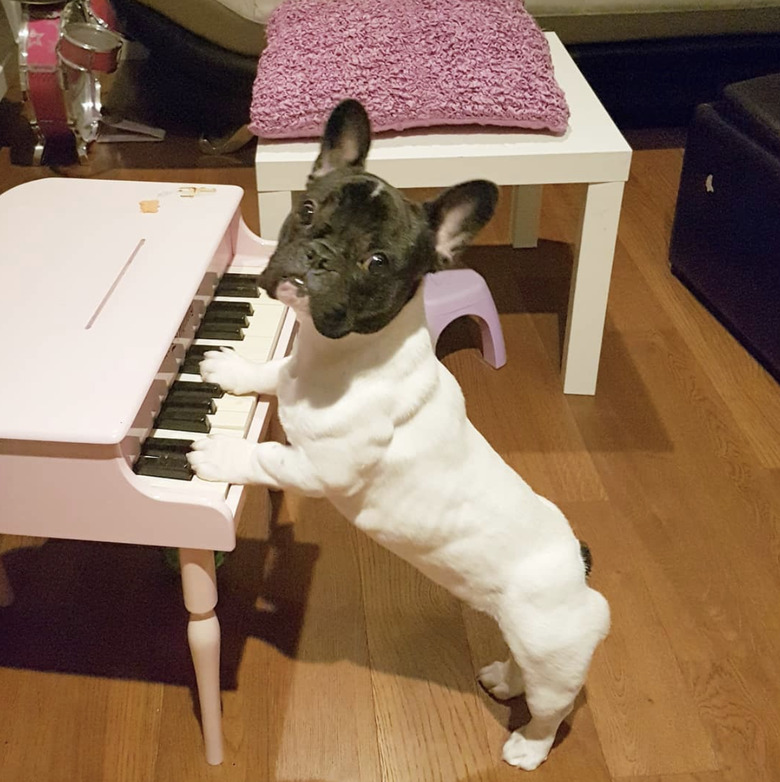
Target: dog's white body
x=377, y=424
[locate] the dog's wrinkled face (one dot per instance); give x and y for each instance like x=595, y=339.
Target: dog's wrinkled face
x=354, y=250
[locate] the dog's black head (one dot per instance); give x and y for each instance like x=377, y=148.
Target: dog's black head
x=354, y=250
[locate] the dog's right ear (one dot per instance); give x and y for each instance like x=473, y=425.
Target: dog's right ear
x=346, y=139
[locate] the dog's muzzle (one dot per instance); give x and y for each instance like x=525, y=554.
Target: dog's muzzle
x=290, y=290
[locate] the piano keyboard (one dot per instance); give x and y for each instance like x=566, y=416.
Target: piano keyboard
x=240, y=317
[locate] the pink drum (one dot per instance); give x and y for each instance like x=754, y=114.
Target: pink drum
x=87, y=46
x=39, y=72
x=102, y=13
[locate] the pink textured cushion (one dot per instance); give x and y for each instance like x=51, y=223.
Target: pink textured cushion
x=412, y=63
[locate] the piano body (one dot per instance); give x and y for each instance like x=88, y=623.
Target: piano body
x=114, y=287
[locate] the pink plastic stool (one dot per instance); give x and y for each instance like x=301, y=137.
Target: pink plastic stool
x=455, y=292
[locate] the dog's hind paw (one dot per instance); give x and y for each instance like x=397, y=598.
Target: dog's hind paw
x=524, y=753
x=503, y=680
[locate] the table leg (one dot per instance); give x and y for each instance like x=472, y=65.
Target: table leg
x=590, y=287
x=199, y=584
x=526, y=208
x=273, y=208
x=6, y=593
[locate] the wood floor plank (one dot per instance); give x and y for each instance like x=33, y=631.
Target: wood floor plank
x=425, y=695
x=325, y=725
x=635, y=677
x=133, y=717
x=704, y=776
x=738, y=701
x=48, y=710
x=520, y=410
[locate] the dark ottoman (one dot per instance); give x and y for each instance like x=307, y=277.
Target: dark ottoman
x=725, y=244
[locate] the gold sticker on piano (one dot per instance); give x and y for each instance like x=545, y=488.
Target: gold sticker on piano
x=149, y=207
x=191, y=191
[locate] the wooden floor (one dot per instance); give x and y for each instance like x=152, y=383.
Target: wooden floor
x=341, y=664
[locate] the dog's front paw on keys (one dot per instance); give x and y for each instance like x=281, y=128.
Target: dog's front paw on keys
x=231, y=372
x=220, y=458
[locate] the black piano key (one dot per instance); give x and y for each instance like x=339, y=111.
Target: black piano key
x=240, y=285
x=191, y=363
x=166, y=445
x=164, y=465
x=189, y=403
x=245, y=292
x=185, y=422
x=229, y=319
x=242, y=307
x=196, y=389
x=227, y=331
x=237, y=281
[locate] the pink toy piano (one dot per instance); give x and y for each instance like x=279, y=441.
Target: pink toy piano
x=165, y=271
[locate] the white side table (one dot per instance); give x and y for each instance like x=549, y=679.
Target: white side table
x=592, y=151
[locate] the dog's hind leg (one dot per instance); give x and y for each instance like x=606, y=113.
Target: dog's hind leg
x=503, y=680
x=553, y=650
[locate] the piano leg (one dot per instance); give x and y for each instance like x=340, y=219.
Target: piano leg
x=199, y=583
x=6, y=593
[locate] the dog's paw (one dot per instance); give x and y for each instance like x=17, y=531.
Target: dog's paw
x=502, y=680
x=231, y=372
x=220, y=458
x=524, y=753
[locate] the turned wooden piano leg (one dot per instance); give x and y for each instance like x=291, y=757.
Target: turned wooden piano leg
x=6, y=593
x=199, y=583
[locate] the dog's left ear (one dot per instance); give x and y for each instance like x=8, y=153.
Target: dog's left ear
x=458, y=214
x=346, y=139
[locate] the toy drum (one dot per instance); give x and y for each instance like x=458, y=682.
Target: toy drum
x=103, y=14
x=39, y=73
x=85, y=46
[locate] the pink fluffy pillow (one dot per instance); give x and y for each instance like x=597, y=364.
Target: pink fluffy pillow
x=412, y=63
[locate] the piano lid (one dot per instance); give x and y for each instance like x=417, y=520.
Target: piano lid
x=95, y=279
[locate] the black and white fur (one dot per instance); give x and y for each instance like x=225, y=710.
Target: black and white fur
x=378, y=426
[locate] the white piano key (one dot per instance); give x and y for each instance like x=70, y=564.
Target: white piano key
x=264, y=323
x=175, y=434
x=230, y=419
x=263, y=300
x=251, y=348
x=194, y=485
x=230, y=403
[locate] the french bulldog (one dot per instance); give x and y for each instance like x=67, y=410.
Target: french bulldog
x=376, y=424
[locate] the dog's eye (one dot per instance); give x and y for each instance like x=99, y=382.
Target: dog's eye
x=306, y=212
x=376, y=260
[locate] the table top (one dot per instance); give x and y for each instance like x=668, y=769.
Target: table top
x=591, y=150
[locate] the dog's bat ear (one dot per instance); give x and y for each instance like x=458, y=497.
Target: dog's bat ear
x=346, y=139
x=458, y=214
